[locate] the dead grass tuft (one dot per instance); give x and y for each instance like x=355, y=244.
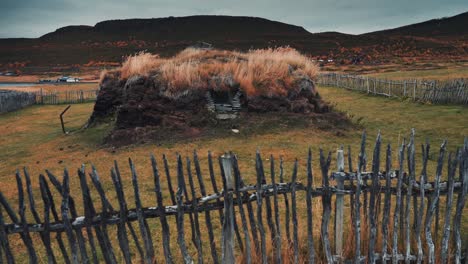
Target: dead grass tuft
x=269, y=72
x=139, y=64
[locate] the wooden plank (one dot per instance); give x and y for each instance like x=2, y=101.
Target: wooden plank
x=237, y=178
x=4, y=240
x=326, y=205
x=180, y=212
x=129, y=224
x=286, y=205
x=208, y=222
x=372, y=201
x=213, y=182
x=190, y=214
x=72, y=210
x=88, y=214
x=23, y=222
x=66, y=220
x=294, y=213
x=357, y=206
x=160, y=202
x=425, y=151
x=310, y=238
x=461, y=199
x=452, y=166
x=228, y=223
x=387, y=203
x=169, y=181
x=259, y=196
x=121, y=230
x=409, y=187
x=194, y=202
x=45, y=236
x=277, y=241
x=107, y=208
x=433, y=203
x=142, y=223
x=50, y=200
x=269, y=214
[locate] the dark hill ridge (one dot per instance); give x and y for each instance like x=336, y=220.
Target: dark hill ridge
x=111, y=40
x=454, y=26
x=178, y=28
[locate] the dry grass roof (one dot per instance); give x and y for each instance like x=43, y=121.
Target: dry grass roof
x=268, y=72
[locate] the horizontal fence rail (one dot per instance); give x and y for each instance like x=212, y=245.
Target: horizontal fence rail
x=394, y=214
x=436, y=92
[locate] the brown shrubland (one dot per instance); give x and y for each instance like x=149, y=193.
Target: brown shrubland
x=268, y=72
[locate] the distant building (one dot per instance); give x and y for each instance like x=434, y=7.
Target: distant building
x=68, y=79
x=10, y=74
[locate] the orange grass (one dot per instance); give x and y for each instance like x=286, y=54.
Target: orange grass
x=267, y=72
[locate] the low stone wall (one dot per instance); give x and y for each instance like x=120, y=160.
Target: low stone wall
x=13, y=100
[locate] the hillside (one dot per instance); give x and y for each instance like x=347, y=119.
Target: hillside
x=110, y=41
x=178, y=29
x=442, y=28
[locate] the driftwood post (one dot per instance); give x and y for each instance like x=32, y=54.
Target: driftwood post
x=61, y=118
x=339, y=204
x=228, y=224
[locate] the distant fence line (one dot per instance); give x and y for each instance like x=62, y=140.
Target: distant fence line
x=66, y=97
x=392, y=221
x=14, y=100
x=437, y=92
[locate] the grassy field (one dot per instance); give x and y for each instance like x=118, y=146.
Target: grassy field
x=32, y=137
x=415, y=70
x=433, y=74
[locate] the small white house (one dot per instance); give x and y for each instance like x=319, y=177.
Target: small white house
x=68, y=79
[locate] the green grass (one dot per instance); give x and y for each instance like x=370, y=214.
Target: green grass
x=430, y=74
x=32, y=137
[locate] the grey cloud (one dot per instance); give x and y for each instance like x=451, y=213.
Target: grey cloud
x=32, y=18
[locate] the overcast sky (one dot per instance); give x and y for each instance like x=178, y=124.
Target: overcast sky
x=33, y=18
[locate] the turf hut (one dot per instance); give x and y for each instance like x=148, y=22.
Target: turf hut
x=150, y=98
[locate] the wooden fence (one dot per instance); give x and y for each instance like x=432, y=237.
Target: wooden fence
x=12, y=100
x=387, y=215
x=66, y=97
x=436, y=92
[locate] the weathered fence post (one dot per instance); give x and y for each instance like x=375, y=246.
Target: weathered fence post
x=228, y=224
x=367, y=84
x=339, y=204
x=404, y=89
x=42, y=97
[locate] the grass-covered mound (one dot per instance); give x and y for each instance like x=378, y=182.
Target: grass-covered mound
x=153, y=97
